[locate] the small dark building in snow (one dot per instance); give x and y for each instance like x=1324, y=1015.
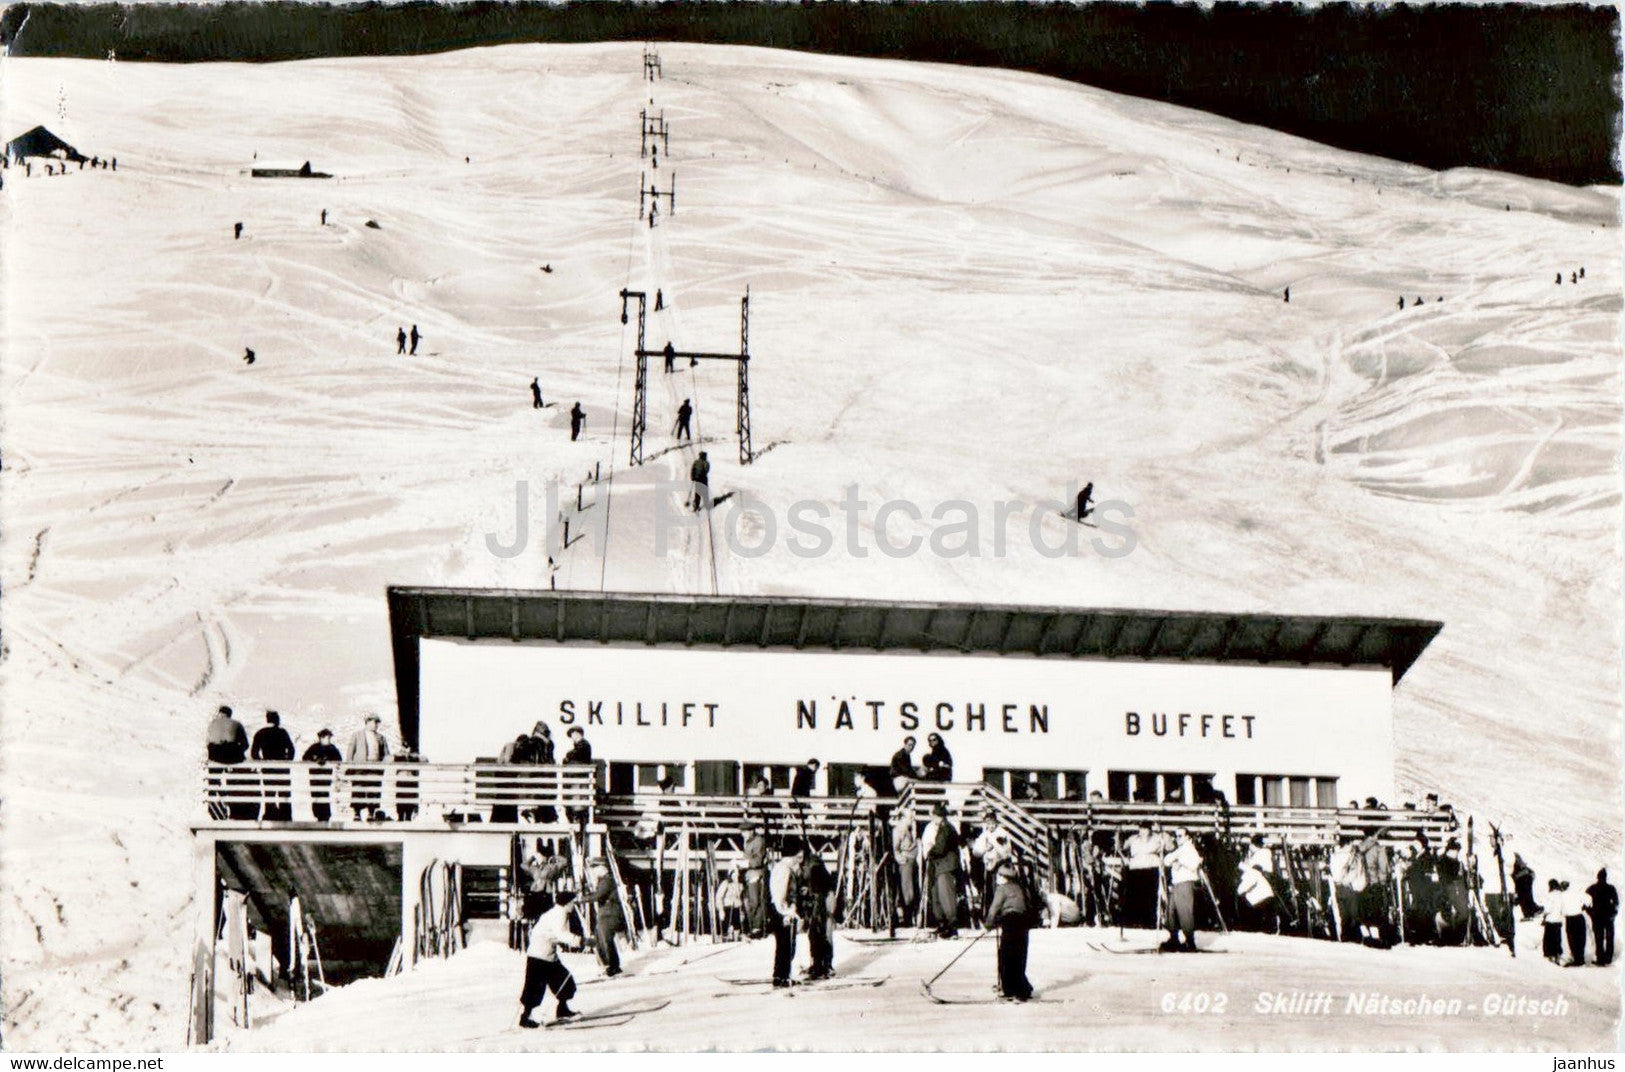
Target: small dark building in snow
x=41, y=142
x=303, y=172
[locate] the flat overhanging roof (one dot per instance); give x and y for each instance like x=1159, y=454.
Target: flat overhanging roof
x=870, y=625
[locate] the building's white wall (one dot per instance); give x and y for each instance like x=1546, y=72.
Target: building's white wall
x=742, y=704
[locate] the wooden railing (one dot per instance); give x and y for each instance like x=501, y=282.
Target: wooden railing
x=1277, y=824
x=777, y=816
x=305, y=792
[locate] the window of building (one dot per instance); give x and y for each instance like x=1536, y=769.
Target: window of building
x=1052, y=784
x=778, y=775
x=716, y=777
x=1286, y=790
x=1160, y=787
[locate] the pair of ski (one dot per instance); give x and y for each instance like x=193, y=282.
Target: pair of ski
x=813, y=984
x=607, y=1018
x=925, y=988
x=1101, y=947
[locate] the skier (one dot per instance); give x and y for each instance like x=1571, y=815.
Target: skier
x=414, y=337
x=1085, y=497
x=400, y=340
x=1011, y=912
x=1371, y=860
x=818, y=892
x=236, y=231
x=1576, y=905
x=115, y=163
x=1402, y=301
x=670, y=353
x=248, y=356
x=942, y=868
x=906, y=850
x=1604, y=907
x=610, y=921
x=324, y=217
x=536, y=392
x=1523, y=881
x=684, y=412
x=578, y=421
x=1574, y=277
x=1286, y=295
x=1559, y=278
x=784, y=895
x=1145, y=849
x=660, y=300
x=1184, y=871
x=1255, y=889
x=1552, y=923
x=699, y=475
x=756, y=906
x=543, y=971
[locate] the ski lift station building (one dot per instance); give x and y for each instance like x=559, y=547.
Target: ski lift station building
x=1262, y=722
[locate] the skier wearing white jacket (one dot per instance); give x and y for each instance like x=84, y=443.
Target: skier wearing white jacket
x=543, y=970
x=784, y=893
x=1184, y=872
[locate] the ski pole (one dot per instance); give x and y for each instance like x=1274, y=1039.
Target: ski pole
x=961, y=953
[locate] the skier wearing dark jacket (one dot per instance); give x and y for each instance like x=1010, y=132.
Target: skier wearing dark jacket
x=699, y=475
x=1010, y=911
x=273, y=744
x=942, y=869
x=611, y=922
x=1604, y=908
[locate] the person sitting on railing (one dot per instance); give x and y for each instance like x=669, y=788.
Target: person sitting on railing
x=541, y=743
x=273, y=745
x=322, y=752
x=861, y=787
x=938, y=764
x=761, y=787
x=902, y=768
x=580, y=751
x=802, y=784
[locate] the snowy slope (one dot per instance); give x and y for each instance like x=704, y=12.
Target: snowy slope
x=1091, y=1000
x=966, y=284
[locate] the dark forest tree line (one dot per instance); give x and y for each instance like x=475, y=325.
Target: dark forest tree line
x=1519, y=88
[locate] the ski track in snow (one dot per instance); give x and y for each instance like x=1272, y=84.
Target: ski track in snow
x=966, y=284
